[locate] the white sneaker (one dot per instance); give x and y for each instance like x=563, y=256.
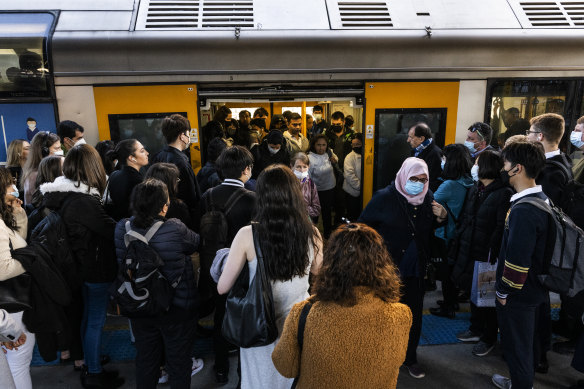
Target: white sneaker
x=197, y=366
x=163, y=377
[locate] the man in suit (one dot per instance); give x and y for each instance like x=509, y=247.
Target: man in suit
x=423, y=147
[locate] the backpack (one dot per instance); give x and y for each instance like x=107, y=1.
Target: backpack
x=214, y=232
x=50, y=233
x=140, y=289
x=572, y=199
x=564, y=270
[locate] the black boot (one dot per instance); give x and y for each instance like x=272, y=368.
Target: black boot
x=443, y=312
x=103, y=380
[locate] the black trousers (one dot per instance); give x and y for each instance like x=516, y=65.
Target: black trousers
x=340, y=210
x=520, y=340
x=413, y=296
x=483, y=320
x=220, y=345
x=327, y=202
x=354, y=206
x=175, y=338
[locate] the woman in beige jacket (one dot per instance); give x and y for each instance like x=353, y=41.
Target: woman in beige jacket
x=356, y=332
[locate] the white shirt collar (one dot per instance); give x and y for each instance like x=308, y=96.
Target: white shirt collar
x=552, y=154
x=525, y=192
x=232, y=182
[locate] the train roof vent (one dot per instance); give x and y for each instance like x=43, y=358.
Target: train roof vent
x=550, y=14
x=194, y=14
x=359, y=14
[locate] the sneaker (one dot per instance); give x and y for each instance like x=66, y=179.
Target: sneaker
x=482, y=348
x=163, y=379
x=501, y=382
x=103, y=380
x=416, y=370
x=197, y=366
x=468, y=336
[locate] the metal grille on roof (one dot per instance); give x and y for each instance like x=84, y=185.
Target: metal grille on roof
x=550, y=14
x=195, y=14
x=360, y=14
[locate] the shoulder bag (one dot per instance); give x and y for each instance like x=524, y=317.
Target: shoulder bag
x=250, y=319
x=15, y=292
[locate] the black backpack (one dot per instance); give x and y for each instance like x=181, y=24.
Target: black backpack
x=564, y=269
x=140, y=289
x=572, y=199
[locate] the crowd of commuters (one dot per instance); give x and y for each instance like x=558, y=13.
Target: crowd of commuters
x=366, y=268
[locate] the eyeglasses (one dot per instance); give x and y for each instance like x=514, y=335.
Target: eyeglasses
x=478, y=131
x=532, y=132
x=416, y=179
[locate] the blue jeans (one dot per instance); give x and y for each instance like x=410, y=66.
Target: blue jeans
x=95, y=299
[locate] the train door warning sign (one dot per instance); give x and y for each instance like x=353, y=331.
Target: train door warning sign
x=369, y=132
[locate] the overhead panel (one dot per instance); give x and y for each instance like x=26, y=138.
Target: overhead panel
x=359, y=14
x=195, y=14
x=549, y=14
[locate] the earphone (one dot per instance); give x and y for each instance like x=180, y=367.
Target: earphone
x=45, y=151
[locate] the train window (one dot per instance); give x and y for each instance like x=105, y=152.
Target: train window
x=146, y=127
x=391, y=147
x=24, y=63
x=514, y=102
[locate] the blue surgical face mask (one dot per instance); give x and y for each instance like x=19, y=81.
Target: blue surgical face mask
x=442, y=164
x=576, y=139
x=414, y=188
x=474, y=172
x=470, y=146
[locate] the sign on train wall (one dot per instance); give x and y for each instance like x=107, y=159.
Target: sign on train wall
x=13, y=122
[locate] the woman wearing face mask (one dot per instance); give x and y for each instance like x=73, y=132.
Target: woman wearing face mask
x=131, y=156
x=577, y=139
x=482, y=223
x=43, y=144
x=322, y=173
x=404, y=213
x=300, y=165
x=272, y=151
x=352, y=181
x=456, y=180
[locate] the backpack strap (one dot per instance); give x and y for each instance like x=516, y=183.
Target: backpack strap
x=235, y=196
x=536, y=202
x=300, y=335
x=562, y=167
x=133, y=235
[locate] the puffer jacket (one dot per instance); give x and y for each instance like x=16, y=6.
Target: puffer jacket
x=89, y=228
x=174, y=242
x=481, y=229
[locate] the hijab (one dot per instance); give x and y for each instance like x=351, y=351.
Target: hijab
x=412, y=167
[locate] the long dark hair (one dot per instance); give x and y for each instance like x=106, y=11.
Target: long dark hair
x=285, y=231
x=6, y=210
x=458, y=162
x=122, y=151
x=83, y=165
x=167, y=173
x=148, y=198
x=356, y=256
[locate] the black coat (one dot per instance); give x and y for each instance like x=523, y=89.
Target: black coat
x=120, y=186
x=175, y=243
x=432, y=155
x=389, y=214
x=480, y=230
x=263, y=158
x=208, y=176
x=89, y=229
x=553, y=178
x=188, y=187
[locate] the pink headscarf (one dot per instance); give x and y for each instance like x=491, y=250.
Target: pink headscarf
x=412, y=167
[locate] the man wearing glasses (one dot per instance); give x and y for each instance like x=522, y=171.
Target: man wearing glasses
x=423, y=147
x=478, y=139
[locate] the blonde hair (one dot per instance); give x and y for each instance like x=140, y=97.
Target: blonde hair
x=515, y=139
x=15, y=157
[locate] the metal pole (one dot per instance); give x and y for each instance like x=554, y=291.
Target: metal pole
x=4, y=133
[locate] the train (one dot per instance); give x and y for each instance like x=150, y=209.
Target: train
x=118, y=66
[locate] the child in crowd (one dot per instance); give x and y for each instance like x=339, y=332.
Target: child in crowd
x=299, y=164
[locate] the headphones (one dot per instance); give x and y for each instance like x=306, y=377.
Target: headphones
x=45, y=151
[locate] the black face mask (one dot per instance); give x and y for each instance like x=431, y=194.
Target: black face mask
x=337, y=129
x=505, y=175
x=358, y=150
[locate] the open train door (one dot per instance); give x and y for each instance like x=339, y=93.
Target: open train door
x=137, y=111
x=391, y=108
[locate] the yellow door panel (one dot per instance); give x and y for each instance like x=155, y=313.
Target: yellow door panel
x=392, y=95
x=118, y=100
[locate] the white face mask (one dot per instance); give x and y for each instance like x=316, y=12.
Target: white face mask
x=31, y=126
x=317, y=116
x=59, y=153
x=80, y=142
x=576, y=139
x=474, y=172
x=272, y=150
x=301, y=175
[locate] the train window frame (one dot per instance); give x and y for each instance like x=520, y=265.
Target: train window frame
x=380, y=111
x=46, y=94
x=573, y=97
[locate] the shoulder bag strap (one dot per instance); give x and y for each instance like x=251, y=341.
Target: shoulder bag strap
x=232, y=200
x=562, y=167
x=300, y=337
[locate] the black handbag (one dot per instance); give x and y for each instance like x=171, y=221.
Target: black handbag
x=15, y=292
x=250, y=320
